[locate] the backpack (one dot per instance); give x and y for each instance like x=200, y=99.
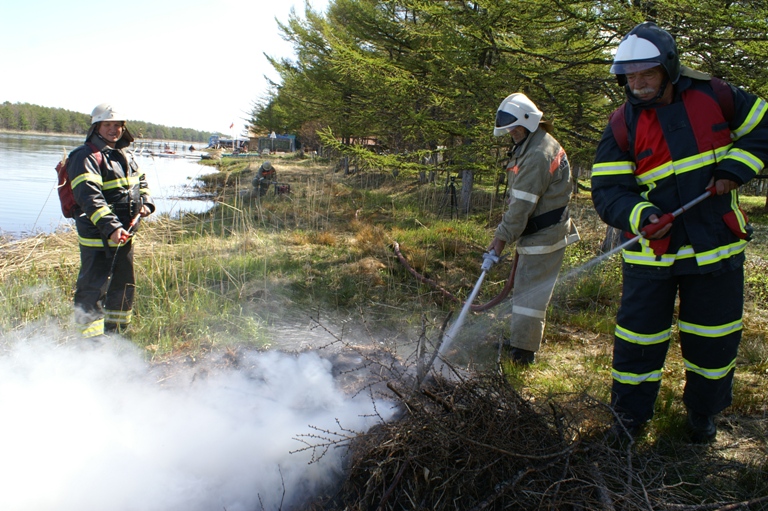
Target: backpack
x=724, y=98
x=64, y=186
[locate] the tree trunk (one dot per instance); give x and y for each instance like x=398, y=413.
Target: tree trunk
x=467, y=181
x=611, y=241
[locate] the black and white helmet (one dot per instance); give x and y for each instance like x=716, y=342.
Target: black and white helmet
x=644, y=47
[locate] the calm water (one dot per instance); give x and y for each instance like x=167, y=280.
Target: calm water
x=28, y=200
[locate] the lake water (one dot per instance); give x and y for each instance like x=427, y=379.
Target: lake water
x=29, y=202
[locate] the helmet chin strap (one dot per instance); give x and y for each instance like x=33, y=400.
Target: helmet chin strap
x=634, y=100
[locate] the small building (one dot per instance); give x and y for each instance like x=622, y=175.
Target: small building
x=274, y=143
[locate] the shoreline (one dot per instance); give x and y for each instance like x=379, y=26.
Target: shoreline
x=44, y=133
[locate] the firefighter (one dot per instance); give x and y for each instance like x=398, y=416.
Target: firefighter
x=265, y=176
x=678, y=133
x=110, y=192
x=537, y=220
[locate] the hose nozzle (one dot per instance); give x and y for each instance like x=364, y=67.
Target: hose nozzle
x=489, y=259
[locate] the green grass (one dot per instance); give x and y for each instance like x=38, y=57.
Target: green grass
x=207, y=281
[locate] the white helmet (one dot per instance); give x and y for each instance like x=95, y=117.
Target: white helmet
x=644, y=47
x=105, y=112
x=516, y=110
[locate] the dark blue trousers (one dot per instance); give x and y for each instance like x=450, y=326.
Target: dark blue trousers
x=709, y=322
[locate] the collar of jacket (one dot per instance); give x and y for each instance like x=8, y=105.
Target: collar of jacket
x=536, y=136
x=99, y=142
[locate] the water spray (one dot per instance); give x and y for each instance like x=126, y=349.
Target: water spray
x=489, y=259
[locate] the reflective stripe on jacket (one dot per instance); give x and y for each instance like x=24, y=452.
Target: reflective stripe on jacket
x=675, y=150
x=101, y=190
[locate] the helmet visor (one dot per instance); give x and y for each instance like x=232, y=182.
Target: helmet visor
x=504, y=119
x=624, y=68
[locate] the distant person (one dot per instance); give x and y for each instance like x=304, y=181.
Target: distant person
x=537, y=220
x=679, y=133
x=265, y=177
x=110, y=192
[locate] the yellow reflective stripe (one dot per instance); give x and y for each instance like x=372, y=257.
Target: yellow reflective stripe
x=613, y=168
x=637, y=338
x=100, y=213
x=694, y=162
x=123, y=182
x=716, y=373
x=117, y=316
x=635, y=216
x=99, y=243
x=720, y=253
x=93, y=328
x=647, y=257
x=144, y=191
x=747, y=158
x=656, y=174
x=634, y=378
x=737, y=210
x=82, y=178
x=688, y=164
x=710, y=331
x=756, y=114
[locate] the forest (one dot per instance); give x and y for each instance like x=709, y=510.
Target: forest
x=27, y=117
x=409, y=77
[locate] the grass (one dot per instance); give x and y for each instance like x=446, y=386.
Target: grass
x=210, y=281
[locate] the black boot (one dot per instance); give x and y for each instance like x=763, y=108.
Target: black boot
x=702, y=427
x=519, y=356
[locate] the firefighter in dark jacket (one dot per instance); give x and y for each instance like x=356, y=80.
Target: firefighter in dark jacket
x=111, y=194
x=679, y=133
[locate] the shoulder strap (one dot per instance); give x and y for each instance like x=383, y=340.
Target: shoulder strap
x=724, y=97
x=619, y=127
x=96, y=153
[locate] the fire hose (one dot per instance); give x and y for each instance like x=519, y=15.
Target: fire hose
x=123, y=240
x=509, y=284
x=490, y=258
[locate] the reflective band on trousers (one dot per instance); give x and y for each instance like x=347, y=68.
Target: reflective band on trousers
x=710, y=331
x=636, y=338
x=710, y=374
x=525, y=311
x=118, y=317
x=636, y=379
x=93, y=328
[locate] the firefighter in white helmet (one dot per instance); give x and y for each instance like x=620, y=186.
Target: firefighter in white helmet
x=679, y=133
x=537, y=220
x=111, y=193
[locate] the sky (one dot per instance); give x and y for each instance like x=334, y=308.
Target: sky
x=196, y=64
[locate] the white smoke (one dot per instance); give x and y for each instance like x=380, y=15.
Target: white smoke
x=87, y=426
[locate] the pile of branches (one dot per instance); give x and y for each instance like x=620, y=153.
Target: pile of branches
x=477, y=444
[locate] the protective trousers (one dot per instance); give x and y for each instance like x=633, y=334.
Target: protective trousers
x=709, y=325
x=96, y=312
x=535, y=279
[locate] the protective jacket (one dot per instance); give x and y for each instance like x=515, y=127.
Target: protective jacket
x=540, y=187
x=674, y=151
x=108, y=195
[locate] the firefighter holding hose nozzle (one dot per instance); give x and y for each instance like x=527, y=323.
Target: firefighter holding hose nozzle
x=537, y=220
x=679, y=133
x=111, y=193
